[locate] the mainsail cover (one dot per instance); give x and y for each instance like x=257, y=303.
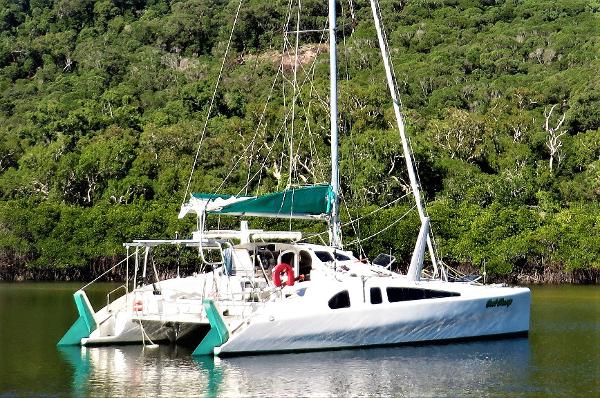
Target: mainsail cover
x=310, y=202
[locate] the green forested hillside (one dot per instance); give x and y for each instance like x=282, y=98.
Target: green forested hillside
x=103, y=105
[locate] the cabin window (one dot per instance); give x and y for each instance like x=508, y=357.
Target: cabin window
x=376, y=295
x=340, y=300
x=265, y=258
x=408, y=294
x=324, y=256
x=305, y=264
x=287, y=258
x=384, y=260
x=340, y=256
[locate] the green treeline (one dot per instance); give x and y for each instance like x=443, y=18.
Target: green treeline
x=103, y=105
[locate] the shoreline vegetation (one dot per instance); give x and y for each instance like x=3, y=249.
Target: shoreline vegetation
x=78, y=274
x=103, y=102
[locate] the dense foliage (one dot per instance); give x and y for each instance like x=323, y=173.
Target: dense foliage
x=103, y=104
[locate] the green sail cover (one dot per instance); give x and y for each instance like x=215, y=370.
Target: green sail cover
x=313, y=201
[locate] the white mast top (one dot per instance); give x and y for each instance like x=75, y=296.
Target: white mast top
x=335, y=232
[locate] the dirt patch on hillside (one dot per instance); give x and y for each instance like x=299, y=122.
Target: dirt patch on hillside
x=306, y=56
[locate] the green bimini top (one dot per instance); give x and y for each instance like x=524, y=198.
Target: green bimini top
x=314, y=201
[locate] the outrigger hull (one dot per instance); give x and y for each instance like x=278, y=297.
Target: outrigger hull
x=125, y=326
x=153, y=331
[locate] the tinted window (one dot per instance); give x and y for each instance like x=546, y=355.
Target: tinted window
x=340, y=300
x=407, y=294
x=376, y=295
x=383, y=260
x=341, y=257
x=324, y=256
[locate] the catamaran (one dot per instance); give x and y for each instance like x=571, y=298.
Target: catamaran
x=270, y=291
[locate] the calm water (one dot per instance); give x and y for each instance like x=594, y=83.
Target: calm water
x=561, y=357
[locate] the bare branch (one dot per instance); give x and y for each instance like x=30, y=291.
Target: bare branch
x=554, y=143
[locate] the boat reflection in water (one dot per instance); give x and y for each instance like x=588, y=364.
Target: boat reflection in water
x=480, y=368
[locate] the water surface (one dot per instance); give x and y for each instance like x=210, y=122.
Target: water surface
x=561, y=357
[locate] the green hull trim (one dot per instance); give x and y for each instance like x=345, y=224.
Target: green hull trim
x=84, y=325
x=218, y=333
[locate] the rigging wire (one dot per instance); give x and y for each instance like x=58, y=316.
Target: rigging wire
x=384, y=229
x=377, y=210
x=356, y=229
x=253, y=141
x=285, y=53
x=308, y=79
x=435, y=246
x=357, y=241
x=251, y=145
x=295, y=150
x=313, y=93
x=314, y=154
x=294, y=96
x=212, y=101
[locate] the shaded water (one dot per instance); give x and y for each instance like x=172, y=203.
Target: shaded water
x=561, y=357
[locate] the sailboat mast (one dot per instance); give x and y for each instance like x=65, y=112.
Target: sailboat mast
x=400, y=122
x=335, y=234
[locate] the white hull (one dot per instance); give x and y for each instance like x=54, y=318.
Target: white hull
x=384, y=324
